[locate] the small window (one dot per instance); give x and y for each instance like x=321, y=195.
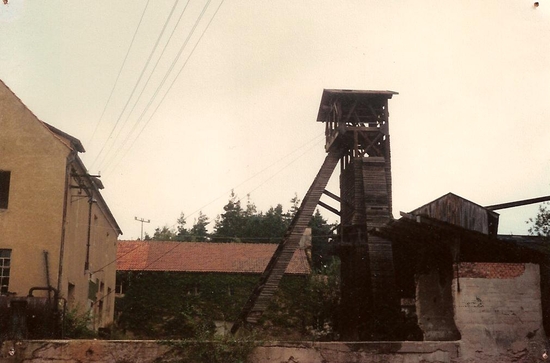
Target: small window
x=71, y=294
x=5, y=264
x=4, y=188
x=193, y=289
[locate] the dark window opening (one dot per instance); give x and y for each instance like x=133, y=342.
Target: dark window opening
x=4, y=188
x=5, y=264
x=71, y=294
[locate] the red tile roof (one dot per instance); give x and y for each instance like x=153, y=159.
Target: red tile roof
x=202, y=257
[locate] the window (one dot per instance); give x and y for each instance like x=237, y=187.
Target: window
x=193, y=289
x=4, y=188
x=5, y=262
x=71, y=294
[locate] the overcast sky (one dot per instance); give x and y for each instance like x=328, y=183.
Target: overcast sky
x=233, y=104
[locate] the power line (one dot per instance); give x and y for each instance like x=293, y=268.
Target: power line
x=192, y=51
x=137, y=82
x=142, y=220
x=286, y=166
x=171, y=85
x=258, y=173
x=119, y=72
x=147, y=81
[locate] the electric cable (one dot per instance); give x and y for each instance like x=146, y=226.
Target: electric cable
x=147, y=81
x=258, y=173
x=137, y=83
x=171, y=85
x=119, y=73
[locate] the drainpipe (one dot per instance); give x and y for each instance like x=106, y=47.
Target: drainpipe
x=47, y=265
x=91, y=202
x=70, y=159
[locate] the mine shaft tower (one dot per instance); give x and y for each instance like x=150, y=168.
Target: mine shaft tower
x=357, y=122
x=357, y=136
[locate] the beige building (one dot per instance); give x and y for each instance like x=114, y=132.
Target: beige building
x=56, y=231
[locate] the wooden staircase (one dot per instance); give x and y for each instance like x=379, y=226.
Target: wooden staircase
x=269, y=281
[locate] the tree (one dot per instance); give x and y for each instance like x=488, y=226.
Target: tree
x=540, y=225
x=295, y=205
x=322, y=248
x=230, y=224
x=249, y=225
x=183, y=233
x=199, y=232
x=162, y=234
x=275, y=223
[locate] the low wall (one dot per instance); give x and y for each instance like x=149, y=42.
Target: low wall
x=143, y=351
x=147, y=351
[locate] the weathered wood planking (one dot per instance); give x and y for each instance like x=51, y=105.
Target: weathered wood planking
x=456, y=210
x=269, y=281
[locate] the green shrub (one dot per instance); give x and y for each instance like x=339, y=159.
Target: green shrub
x=77, y=325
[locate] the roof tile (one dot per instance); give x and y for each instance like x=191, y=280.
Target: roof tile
x=202, y=257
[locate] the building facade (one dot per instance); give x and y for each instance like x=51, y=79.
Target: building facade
x=57, y=234
x=158, y=280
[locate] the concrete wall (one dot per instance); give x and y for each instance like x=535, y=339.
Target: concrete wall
x=82, y=351
x=434, y=306
x=147, y=351
x=498, y=311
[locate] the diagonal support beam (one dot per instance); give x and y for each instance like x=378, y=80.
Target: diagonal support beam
x=329, y=208
x=269, y=281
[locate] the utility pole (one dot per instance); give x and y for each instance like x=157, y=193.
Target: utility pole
x=142, y=220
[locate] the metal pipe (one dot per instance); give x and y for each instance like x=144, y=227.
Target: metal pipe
x=47, y=271
x=43, y=288
x=91, y=201
x=70, y=159
x=519, y=203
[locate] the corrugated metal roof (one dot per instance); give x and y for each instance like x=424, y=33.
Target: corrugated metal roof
x=202, y=257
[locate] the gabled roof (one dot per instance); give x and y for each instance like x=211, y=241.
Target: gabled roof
x=75, y=143
x=459, y=211
x=202, y=257
x=70, y=141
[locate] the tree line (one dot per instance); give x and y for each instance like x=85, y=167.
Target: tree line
x=238, y=223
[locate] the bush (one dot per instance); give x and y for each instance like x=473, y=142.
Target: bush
x=77, y=326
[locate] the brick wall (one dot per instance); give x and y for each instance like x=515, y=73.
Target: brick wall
x=486, y=270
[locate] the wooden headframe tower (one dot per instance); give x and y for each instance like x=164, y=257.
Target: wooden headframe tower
x=357, y=136
x=357, y=121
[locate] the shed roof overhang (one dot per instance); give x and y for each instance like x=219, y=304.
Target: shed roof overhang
x=414, y=229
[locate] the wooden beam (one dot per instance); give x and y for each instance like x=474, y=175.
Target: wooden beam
x=519, y=203
x=329, y=208
x=332, y=195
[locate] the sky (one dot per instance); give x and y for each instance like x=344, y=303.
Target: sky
x=175, y=114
